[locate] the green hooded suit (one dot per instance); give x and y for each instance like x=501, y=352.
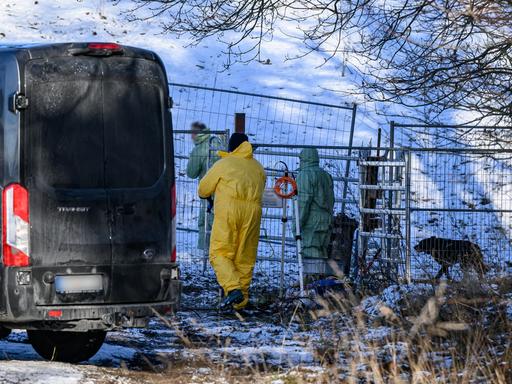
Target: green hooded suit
x=197, y=167
x=316, y=204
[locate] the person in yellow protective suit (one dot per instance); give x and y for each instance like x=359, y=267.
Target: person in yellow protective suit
x=237, y=180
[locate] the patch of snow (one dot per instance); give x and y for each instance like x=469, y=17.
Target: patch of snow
x=271, y=355
x=378, y=333
x=392, y=297
x=39, y=372
x=204, y=371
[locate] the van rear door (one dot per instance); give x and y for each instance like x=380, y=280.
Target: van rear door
x=99, y=184
x=65, y=173
x=137, y=139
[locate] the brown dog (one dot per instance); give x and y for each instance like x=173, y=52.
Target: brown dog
x=448, y=252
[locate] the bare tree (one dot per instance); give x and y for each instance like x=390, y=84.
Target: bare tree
x=437, y=54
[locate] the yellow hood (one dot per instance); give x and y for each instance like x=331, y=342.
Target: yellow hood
x=244, y=151
x=236, y=176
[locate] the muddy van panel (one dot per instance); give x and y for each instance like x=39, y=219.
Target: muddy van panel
x=89, y=147
x=107, y=119
x=65, y=167
x=139, y=196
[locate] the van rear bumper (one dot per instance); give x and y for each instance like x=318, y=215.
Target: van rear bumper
x=97, y=316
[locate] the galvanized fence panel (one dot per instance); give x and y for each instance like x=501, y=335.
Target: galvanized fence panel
x=339, y=161
x=276, y=158
x=455, y=183
x=460, y=196
x=269, y=119
x=457, y=189
x=276, y=267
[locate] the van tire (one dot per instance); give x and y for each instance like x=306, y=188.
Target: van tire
x=4, y=332
x=68, y=347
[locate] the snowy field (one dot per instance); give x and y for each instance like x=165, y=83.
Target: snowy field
x=48, y=21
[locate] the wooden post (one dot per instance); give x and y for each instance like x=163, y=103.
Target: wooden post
x=240, y=122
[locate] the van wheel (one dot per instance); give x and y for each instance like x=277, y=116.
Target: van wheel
x=69, y=347
x=4, y=332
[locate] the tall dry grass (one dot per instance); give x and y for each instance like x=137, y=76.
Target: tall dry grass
x=460, y=333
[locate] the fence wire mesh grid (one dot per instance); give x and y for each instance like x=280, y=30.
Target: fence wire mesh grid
x=267, y=119
x=460, y=210
x=449, y=136
x=428, y=213
x=276, y=267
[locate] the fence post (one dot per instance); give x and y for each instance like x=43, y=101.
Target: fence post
x=408, y=217
x=207, y=229
x=226, y=139
x=390, y=195
x=392, y=134
x=240, y=122
x=349, y=153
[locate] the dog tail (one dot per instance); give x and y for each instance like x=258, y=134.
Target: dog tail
x=481, y=265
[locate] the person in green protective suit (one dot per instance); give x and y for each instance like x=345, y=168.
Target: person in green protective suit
x=316, y=203
x=202, y=157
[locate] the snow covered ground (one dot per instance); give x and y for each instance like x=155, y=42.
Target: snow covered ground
x=204, y=342
x=270, y=345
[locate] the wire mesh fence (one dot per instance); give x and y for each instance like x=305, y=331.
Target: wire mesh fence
x=460, y=211
x=458, y=199
x=339, y=162
x=443, y=193
x=276, y=267
x=268, y=119
x=446, y=212
x=449, y=136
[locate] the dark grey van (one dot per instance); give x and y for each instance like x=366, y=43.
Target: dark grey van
x=88, y=203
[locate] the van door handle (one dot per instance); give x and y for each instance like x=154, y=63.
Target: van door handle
x=126, y=209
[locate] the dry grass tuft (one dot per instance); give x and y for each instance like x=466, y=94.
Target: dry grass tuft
x=461, y=334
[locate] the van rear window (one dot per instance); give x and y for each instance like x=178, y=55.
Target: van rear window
x=133, y=134
x=95, y=122
x=66, y=135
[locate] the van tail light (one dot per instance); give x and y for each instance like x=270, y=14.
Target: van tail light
x=112, y=47
x=97, y=49
x=15, y=226
x=173, y=222
x=55, y=313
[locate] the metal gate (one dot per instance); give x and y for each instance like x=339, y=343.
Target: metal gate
x=268, y=119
